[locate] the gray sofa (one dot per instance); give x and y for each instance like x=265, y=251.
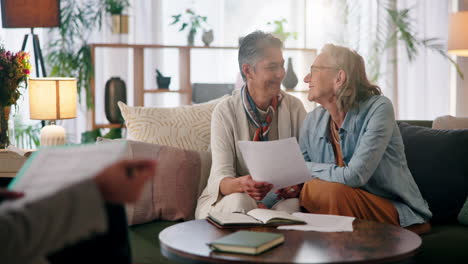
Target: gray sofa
x=448, y=240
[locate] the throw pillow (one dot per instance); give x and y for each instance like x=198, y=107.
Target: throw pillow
x=186, y=127
x=438, y=160
x=172, y=194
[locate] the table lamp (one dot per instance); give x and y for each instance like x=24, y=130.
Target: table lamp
x=458, y=34
x=52, y=99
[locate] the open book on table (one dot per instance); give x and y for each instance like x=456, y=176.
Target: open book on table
x=253, y=217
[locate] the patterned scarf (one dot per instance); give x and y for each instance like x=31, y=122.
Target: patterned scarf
x=263, y=127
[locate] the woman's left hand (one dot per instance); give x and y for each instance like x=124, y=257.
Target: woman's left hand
x=290, y=192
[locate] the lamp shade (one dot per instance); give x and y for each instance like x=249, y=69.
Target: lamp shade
x=458, y=34
x=30, y=13
x=52, y=98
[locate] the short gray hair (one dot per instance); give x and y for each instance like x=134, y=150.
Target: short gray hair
x=253, y=46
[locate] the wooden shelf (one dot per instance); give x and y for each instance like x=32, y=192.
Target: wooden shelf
x=164, y=91
x=108, y=126
x=297, y=91
x=139, y=71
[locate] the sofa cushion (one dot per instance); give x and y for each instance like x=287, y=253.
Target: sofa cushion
x=172, y=194
x=186, y=127
x=463, y=215
x=438, y=160
x=450, y=122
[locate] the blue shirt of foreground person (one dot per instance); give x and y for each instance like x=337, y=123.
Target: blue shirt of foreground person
x=371, y=143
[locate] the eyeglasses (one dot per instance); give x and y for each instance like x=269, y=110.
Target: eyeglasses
x=319, y=68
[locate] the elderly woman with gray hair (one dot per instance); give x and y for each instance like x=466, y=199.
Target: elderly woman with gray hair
x=260, y=111
x=353, y=147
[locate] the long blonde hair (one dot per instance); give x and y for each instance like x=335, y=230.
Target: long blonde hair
x=357, y=87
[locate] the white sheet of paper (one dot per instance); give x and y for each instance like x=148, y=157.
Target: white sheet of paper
x=278, y=162
x=322, y=223
x=54, y=168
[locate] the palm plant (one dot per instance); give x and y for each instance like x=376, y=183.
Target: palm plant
x=69, y=53
x=392, y=25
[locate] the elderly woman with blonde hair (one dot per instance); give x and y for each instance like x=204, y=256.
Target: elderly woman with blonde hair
x=353, y=147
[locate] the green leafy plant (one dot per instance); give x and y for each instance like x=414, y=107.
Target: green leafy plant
x=115, y=7
x=27, y=136
x=279, y=30
x=189, y=20
x=68, y=52
x=404, y=32
x=392, y=25
x=92, y=135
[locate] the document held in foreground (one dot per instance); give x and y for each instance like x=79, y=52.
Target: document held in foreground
x=278, y=162
x=51, y=169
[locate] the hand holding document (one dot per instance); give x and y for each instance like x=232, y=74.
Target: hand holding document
x=278, y=162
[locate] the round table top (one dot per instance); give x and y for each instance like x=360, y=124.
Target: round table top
x=369, y=242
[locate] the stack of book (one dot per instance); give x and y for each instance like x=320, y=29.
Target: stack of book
x=247, y=242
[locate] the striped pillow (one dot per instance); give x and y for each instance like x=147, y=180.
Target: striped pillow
x=186, y=127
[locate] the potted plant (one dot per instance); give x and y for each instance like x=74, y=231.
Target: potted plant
x=14, y=72
x=119, y=20
x=279, y=31
x=68, y=52
x=189, y=19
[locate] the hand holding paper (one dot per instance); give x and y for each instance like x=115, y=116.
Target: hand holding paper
x=278, y=162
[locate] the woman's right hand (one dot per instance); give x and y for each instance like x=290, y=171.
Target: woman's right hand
x=256, y=190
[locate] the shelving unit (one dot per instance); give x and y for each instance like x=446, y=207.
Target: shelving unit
x=138, y=73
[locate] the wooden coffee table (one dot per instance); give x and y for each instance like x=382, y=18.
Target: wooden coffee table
x=369, y=242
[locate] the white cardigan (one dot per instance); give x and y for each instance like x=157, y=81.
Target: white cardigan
x=229, y=124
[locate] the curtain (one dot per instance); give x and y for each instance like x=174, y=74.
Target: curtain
x=423, y=85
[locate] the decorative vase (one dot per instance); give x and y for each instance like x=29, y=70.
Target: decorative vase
x=115, y=91
x=4, y=132
x=191, y=38
x=162, y=81
x=207, y=37
x=290, y=80
x=120, y=24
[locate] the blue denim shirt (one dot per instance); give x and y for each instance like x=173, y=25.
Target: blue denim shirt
x=373, y=154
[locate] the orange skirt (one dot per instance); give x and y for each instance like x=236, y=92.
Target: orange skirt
x=322, y=197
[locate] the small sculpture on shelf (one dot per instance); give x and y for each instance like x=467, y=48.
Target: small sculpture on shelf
x=207, y=37
x=162, y=81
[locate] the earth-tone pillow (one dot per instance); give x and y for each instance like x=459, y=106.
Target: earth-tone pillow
x=186, y=127
x=181, y=176
x=438, y=160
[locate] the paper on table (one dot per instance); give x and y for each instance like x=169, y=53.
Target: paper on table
x=278, y=162
x=54, y=168
x=322, y=223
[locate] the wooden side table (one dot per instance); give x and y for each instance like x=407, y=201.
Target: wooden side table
x=10, y=163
